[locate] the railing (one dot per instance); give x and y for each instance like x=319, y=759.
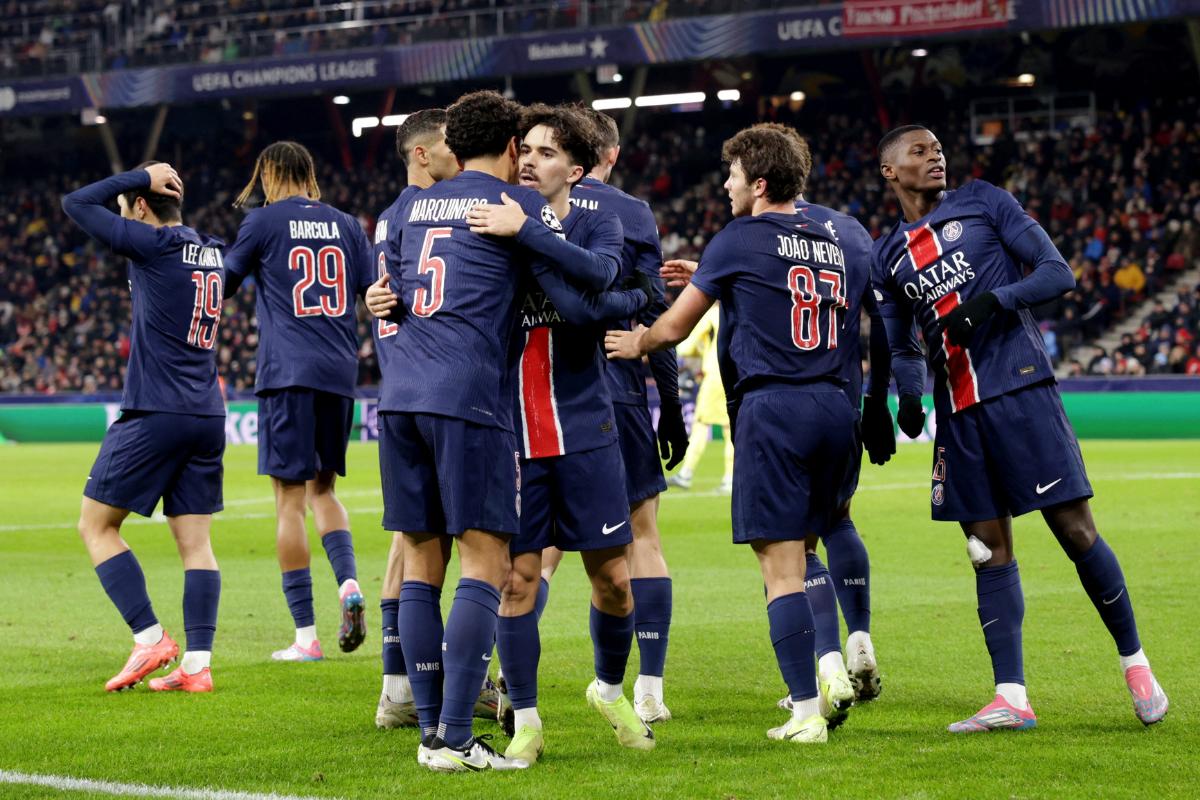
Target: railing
x=1027, y=116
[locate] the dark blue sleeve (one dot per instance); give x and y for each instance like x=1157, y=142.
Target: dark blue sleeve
x=362, y=261
x=391, y=260
x=587, y=269
x=586, y=308
x=132, y=239
x=664, y=365
x=1051, y=276
x=241, y=258
x=907, y=361
x=880, y=355
x=718, y=261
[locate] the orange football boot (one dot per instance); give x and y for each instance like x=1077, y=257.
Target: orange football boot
x=180, y=681
x=144, y=659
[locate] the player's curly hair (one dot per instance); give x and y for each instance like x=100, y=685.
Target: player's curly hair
x=278, y=165
x=606, y=126
x=164, y=207
x=481, y=124
x=420, y=125
x=775, y=153
x=573, y=132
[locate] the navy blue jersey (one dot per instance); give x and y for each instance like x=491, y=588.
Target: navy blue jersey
x=459, y=292
x=856, y=247
x=641, y=252
x=176, y=281
x=387, y=235
x=781, y=281
x=922, y=270
x=562, y=400
x=310, y=261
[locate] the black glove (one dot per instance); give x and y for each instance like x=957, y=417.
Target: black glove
x=672, y=434
x=878, y=432
x=911, y=416
x=960, y=324
x=641, y=282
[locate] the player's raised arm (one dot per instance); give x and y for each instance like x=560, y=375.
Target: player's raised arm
x=593, y=271
x=130, y=234
x=1050, y=276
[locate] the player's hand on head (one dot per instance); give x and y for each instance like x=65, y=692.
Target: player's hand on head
x=503, y=219
x=624, y=344
x=911, y=415
x=678, y=271
x=672, y=433
x=878, y=432
x=165, y=180
x=961, y=324
x=380, y=298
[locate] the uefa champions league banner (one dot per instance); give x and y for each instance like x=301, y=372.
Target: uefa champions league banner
x=854, y=23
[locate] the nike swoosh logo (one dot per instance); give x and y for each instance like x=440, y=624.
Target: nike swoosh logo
x=997, y=619
x=607, y=530
x=1115, y=599
x=1043, y=489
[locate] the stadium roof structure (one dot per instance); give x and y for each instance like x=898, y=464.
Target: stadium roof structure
x=849, y=24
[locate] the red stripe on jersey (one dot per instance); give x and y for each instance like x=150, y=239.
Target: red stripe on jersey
x=964, y=388
x=923, y=246
x=539, y=410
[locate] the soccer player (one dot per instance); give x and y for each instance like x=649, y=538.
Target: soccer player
x=449, y=459
x=781, y=279
x=421, y=145
x=168, y=442
x=309, y=260
x=573, y=487
x=651, y=580
x=711, y=409
x=1003, y=445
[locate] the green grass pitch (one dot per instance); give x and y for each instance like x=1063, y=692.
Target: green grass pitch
x=306, y=729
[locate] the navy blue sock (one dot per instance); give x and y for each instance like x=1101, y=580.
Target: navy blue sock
x=543, y=597
x=467, y=650
x=393, y=654
x=652, y=622
x=1104, y=582
x=823, y=602
x=297, y=588
x=612, y=639
x=419, y=623
x=1001, y=612
x=201, y=596
x=851, y=572
x=125, y=584
x=793, y=636
x=520, y=650
x=340, y=550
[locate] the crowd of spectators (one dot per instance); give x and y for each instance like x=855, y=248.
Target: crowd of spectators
x=1118, y=201
x=39, y=38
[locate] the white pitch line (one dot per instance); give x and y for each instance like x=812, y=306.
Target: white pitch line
x=878, y=487
x=64, y=783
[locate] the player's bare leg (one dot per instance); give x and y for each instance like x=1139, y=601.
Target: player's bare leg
x=125, y=584
x=291, y=548
x=793, y=636
x=333, y=524
x=1001, y=613
x=468, y=641
x=396, y=708
x=201, y=598
x=612, y=626
x=520, y=648
x=651, y=586
x=1102, y=579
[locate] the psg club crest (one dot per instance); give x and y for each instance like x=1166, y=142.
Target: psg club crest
x=939, y=494
x=952, y=230
x=550, y=219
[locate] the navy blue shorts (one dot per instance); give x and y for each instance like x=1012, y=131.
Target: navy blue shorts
x=639, y=449
x=302, y=432
x=151, y=455
x=573, y=502
x=850, y=480
x=447, y=475
x=794, y=447
x=1006, y=456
